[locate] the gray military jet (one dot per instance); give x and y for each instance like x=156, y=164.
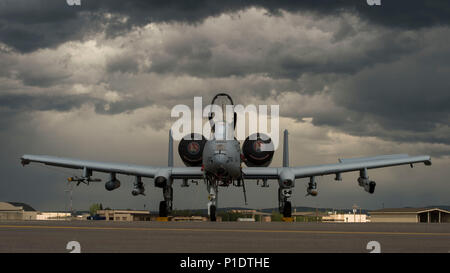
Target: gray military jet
x=218, y=162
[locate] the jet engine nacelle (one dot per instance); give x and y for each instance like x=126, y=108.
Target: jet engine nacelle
x=112, y=184
x=369, y=186
x=258, y=150
x=190, y=149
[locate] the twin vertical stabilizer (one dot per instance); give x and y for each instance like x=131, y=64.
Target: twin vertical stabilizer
x=170, y=156
x=285, y=149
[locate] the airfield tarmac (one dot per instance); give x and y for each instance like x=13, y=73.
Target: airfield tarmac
x=231, y=237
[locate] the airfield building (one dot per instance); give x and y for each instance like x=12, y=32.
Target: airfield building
x=410, y=215
x=17, y=211
x=125, y=215
x=346, y=218
x=54, y=216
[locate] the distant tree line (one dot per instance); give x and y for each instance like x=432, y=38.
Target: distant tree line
x=94, y=208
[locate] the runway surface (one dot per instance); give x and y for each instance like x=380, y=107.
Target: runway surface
x=232, y=237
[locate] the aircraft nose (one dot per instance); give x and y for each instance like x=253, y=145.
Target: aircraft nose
x=220, y=159
x=220, y=164
x=221, y=171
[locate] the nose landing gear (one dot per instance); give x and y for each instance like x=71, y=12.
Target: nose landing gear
x=287, y=209
x=213, y=189
x=284, y=205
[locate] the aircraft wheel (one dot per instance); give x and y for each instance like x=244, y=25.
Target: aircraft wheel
x=163, y=209
x=287, y=210
x=212, y=213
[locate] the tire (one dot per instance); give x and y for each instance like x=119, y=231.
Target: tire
x=212, y=213
x=163, y=209
x=287, y=210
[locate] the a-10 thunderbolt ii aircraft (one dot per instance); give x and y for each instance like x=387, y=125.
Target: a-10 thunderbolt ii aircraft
x=218, y=162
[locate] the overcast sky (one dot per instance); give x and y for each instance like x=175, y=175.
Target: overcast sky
x=98, y=82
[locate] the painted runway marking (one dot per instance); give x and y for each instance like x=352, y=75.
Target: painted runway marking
x=229, y=230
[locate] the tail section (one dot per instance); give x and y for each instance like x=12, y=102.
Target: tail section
x=170, y=156
x=285, y=149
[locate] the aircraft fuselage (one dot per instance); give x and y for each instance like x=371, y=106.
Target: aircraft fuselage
x=221, y=158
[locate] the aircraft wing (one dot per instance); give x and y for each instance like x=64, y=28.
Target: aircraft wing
x=118, y=168
x=344, y=165
x=356, y=164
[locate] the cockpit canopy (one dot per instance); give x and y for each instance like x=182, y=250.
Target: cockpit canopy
x=223, y=131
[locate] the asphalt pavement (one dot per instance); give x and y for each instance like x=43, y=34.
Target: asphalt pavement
x=231, y=237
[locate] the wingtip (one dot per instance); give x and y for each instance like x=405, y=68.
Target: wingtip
x=427, y=162
x=24, y=161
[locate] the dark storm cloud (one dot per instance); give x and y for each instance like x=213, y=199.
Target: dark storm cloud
x=26, y=102
x=365, y=91
x=402, y=14
x=29, y=25
x=200, y=53
x=41, y=77
x=387, y=47
x=126, y=105
x=11, y=104
x=123, y=64
x=17, y=108
x=407, y=100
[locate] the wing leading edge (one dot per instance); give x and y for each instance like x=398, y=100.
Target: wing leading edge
x=109, y=167
x=356, y=164
x=344, y=165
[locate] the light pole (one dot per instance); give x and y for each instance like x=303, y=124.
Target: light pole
x=355, y=209
x=70, y=191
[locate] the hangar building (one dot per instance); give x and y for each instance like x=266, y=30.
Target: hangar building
x=410, y=215
x=17, y=211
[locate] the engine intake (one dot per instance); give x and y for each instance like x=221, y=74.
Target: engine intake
x=258, y=150
x=190, y=149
